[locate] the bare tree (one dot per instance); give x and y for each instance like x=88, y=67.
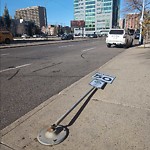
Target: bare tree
x=146, y=28
x=135, y=6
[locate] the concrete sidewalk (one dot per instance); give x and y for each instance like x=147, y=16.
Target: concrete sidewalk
x=116, y=118
x=147, y=45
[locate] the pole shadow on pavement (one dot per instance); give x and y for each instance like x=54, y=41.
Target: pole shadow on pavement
x=81, y=109
x=83, y=106
x=56, y=133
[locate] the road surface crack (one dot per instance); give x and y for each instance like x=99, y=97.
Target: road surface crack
x=47, y=67
x=14, y=74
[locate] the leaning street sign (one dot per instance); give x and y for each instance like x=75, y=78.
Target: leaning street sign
x=57, y=133
x=103, y=77
x=97, y=83
x=100, y=79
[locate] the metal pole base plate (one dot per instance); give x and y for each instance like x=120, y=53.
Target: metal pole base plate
x=48, y=136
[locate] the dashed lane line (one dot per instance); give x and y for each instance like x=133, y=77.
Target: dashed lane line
x=14, y=68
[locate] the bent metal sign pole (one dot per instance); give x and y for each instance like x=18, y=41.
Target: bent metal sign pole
x=56, y=133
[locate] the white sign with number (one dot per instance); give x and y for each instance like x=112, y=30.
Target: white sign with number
x=103, y=77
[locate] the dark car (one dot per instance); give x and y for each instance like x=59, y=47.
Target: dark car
x=67, y=37
x=93, y=36
x=137, y=35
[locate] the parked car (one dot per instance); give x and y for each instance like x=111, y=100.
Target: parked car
x=119, y=37
x=36, y=36
x=67, y=37
x=6, y=37
x=103, y=32
x=137, y=35
x=132, y=31
x=43, y=35
x=25, y=36
x=93, y=35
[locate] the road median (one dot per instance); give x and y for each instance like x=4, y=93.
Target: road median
x=28, y=42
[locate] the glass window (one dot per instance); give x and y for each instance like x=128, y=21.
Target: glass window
x=89, y=3
x=116, y=32
x=90, y=6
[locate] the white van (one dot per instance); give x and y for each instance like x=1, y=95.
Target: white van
x=119, y=37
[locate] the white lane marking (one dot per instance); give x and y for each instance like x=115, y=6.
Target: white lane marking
x=85, y=50
x=65, y=46
x=5, y=54
x=14, y=68
x=23, y=66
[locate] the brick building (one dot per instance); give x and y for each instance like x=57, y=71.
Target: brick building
x=132, y=21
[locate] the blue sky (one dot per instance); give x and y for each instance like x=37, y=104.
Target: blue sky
x=58, y=11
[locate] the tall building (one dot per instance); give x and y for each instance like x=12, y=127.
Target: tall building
x=97, y=14
x=37, y=14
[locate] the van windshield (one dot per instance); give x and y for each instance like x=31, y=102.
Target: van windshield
x=116, y=32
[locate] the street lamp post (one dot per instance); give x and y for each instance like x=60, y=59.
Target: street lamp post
x=141, y=22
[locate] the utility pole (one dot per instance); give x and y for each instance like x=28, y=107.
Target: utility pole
x=141, y=23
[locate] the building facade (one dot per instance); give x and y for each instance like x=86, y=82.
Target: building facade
x=121, y=23
x=36, y=14
x=97, y=14
x=132, y=21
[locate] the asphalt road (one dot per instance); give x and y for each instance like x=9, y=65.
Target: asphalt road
x=31, y=75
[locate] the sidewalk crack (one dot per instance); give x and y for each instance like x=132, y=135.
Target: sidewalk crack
x=7, y=146
x=123, y=105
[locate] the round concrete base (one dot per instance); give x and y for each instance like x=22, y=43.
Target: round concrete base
x=49, y=136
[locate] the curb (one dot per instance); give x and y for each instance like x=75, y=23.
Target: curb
x=142, y=46
x=146, y=45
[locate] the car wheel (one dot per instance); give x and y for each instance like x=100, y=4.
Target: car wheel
x=126, y=45
x=131, y=43
x=7, y=41
x=108, y=45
